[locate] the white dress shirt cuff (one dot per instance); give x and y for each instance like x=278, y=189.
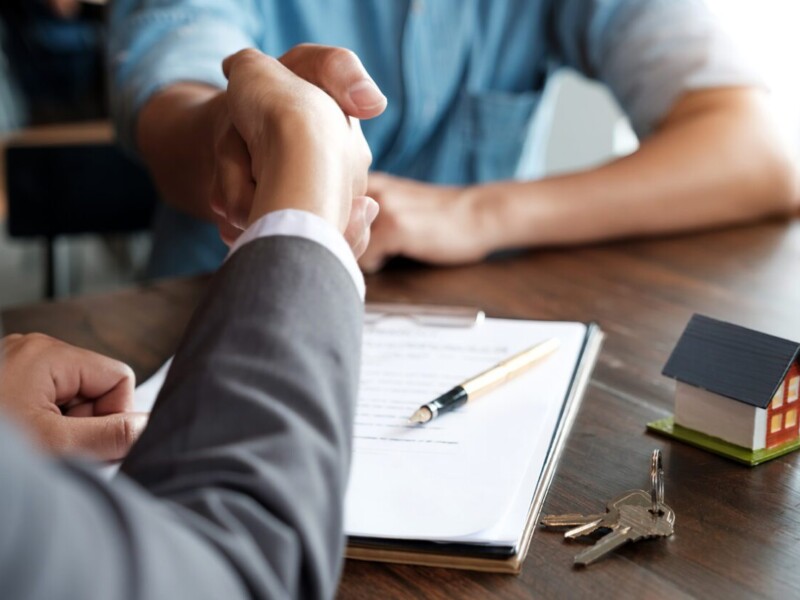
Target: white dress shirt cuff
x=301, y=223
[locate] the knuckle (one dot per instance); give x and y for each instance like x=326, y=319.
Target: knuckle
x=335, y=61
x=238, y=216
x=248, y=54
x=298, y=52
x=38, y=342
x=126, y=371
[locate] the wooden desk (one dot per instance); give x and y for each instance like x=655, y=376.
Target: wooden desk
x=738, y=529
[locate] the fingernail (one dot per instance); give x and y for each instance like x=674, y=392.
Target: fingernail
x=366, y=95
x=371, y=210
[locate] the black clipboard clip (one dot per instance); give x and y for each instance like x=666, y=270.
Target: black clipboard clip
x=424, y=314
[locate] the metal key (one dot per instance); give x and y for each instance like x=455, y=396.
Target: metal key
x=631, y=516
x=585, y=524
x=637, y=521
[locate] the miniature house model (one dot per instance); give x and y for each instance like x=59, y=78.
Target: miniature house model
x=736, y=385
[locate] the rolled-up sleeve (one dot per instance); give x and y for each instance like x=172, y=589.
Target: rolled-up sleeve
x=649, y=52
x=155, y=43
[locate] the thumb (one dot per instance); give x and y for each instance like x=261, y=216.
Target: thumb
x=105, y=438
x=339, y=72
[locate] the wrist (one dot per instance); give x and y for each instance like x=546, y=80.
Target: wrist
x=175, y=138
x=488, y=226
x=515, y=214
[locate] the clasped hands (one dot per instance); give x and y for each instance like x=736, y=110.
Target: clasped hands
x=303, y=152
x=287, y=135
x=271, y=123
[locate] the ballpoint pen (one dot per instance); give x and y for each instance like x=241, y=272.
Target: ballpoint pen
x=484, y=382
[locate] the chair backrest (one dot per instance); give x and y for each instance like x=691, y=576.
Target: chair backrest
x=69, y=188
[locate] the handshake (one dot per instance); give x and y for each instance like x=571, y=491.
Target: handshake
x=287, y=135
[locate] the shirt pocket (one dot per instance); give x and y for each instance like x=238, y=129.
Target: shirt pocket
x=496, y=127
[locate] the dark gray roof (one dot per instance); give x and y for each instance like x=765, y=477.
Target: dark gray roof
x=730, y=360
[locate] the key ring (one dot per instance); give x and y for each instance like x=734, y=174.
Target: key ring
x=656, y=482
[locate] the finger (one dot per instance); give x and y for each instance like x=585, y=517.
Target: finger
x=242, y=56
x=80, y=407
x=217, y=197
x=362, y=244
x=228, y=232
x=363, y=212
x=339, y=72
x=234, y=177
x=76, y=372
x=106, y=438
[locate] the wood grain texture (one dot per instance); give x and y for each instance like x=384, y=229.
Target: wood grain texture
x=737, y=533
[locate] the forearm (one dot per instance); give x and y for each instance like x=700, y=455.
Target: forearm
x=248, y=449
x=715, y=161
x=175, y=137
x=251, y=433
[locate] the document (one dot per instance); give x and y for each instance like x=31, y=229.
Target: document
x=470, y=475
x=458, y=477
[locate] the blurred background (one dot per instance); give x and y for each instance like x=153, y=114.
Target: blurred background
x=58, y=150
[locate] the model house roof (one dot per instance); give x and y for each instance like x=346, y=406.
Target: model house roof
x=730, y=360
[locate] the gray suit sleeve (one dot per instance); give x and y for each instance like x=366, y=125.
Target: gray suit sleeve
x=236, y=488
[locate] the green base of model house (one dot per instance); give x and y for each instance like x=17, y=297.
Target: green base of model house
x=668, y=428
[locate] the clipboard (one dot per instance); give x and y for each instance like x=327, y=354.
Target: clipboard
x=502, y=558
x=424, y=314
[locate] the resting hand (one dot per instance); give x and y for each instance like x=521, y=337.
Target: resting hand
x=72, y=401
x=429, y=223
x=240, y=128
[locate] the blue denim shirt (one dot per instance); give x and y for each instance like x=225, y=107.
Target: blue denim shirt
x=463, y=77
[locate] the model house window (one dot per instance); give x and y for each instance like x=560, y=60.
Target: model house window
x=794, y=387
x=791, y=418
x=776, y=423
x=777, y=399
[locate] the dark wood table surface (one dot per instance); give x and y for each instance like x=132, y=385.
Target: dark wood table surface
x=737, y=532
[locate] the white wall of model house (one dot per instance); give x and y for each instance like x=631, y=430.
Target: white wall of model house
x=720, y=417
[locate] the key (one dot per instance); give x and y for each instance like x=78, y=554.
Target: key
x=636, y=521
x=584, y=524
x=631, y=516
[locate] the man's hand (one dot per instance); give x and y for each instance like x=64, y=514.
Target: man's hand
x=71, y=400
x=256, y=119
x=430, y=223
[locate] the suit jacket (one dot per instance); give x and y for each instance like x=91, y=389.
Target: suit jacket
x=236, y=488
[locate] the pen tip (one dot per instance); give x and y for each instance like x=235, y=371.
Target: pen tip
x=423, y=415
